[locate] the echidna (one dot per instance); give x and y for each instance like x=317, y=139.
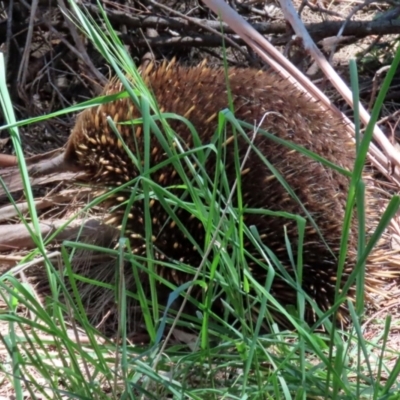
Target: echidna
x=198, y=94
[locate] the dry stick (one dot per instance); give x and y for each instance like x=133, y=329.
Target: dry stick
x=375, y=82
x=357, y=8
x=184, y=41
x=195, y=21
x=23, y=69
x=11, y=175
x=321, y=10
x=11, y=211
x=148, y=57
x=319, y=30
x=8, y=34
x=287, y=70
x=17, y=236
x=14, y=181
x=7, y=160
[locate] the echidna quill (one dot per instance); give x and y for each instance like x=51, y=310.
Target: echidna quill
x=198, y=94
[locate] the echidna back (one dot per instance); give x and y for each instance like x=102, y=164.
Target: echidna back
x=198, y=94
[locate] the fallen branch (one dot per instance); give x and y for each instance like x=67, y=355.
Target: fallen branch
x=38, y=166
x=317, y=31
x=17, y=237
x=7, y=160
x=11, y=211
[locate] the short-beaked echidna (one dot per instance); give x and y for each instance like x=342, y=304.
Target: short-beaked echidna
x=198, y=94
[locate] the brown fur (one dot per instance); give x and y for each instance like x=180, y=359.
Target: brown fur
x=199, y=93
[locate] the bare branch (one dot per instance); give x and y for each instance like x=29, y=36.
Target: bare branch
x=318, y=31
x=17, y=236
